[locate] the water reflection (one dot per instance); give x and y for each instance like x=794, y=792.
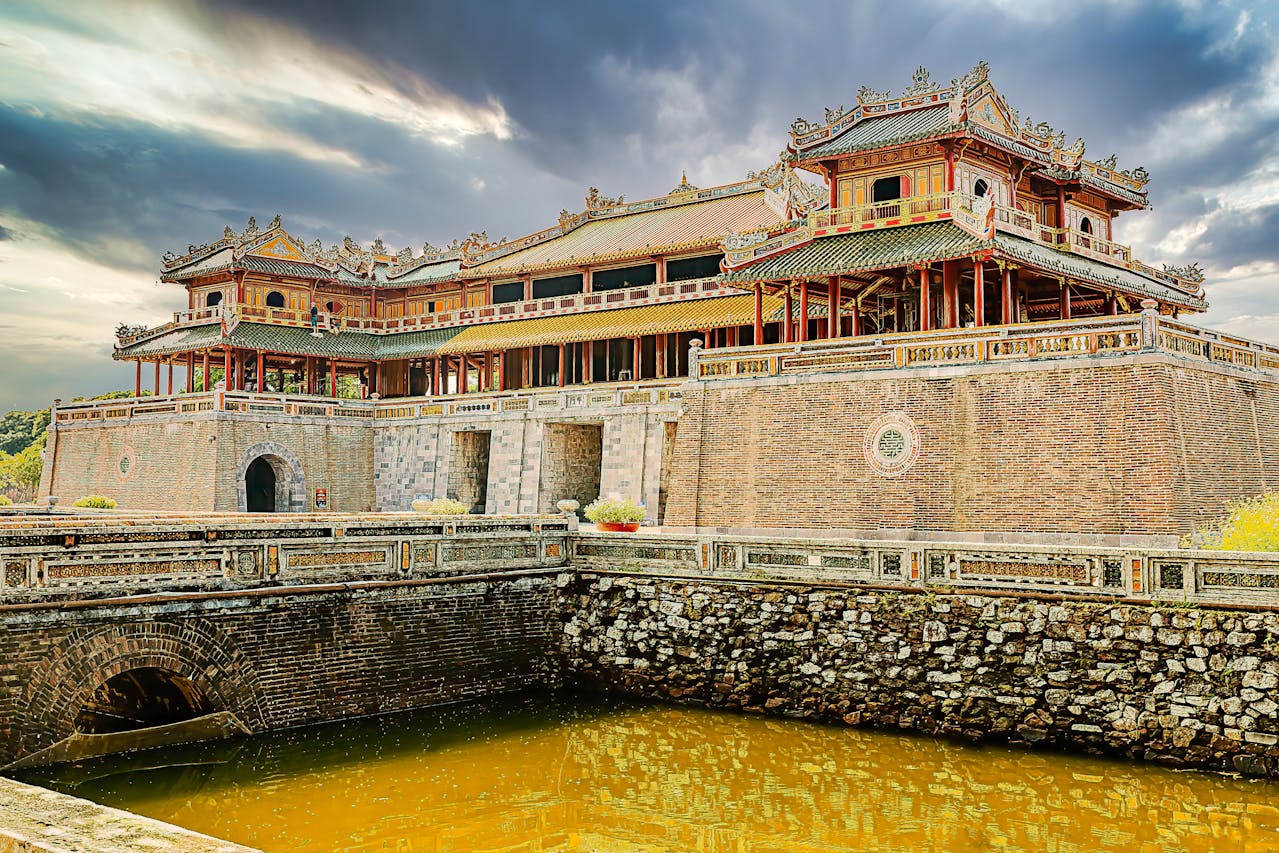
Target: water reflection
x=547, y=774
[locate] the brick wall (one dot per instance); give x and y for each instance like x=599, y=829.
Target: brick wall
x=282, y=660
x=192, y=464
x=1143, y=446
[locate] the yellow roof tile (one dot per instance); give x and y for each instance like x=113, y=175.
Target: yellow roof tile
x=715, y=313
x=685, y=226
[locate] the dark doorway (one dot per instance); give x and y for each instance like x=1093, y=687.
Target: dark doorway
x=259, y=486
x=140, y=698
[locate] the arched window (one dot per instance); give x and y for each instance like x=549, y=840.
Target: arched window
x=886, y=189
x=1085, y=225
x=981, y=188
x=333, y=307
x=275, y=299
x=214, y=298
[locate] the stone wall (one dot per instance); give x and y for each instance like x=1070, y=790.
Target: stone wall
x=469, y=469
x=570, y=464
x=37, y=820
x=533, y=458
x=1142, y=445
x=281, y=659
x=1179, y=685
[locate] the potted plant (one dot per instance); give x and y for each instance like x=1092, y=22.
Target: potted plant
x=619, y=515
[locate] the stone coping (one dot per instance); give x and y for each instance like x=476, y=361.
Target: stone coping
x=37, y=820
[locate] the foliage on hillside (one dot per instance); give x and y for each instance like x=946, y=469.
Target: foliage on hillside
x=1252, y=525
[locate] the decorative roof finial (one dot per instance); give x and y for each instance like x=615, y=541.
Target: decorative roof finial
x=684, y=185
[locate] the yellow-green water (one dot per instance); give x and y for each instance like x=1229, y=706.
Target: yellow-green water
x=543, y=773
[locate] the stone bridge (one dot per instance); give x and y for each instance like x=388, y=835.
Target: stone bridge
x=118, y=631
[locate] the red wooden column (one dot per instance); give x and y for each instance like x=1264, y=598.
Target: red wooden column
x=563, y=363
x=170, y=377
x=204, y=378
x=1064, y=298
x=333, y=378
x=157, y=377
x=227, y=378
x=1007, y=303
x=463, y=375
x=137, y=379
x=950, y=293
x=500, y=363
x=261, y=371
x=635, y=360
x=855, y=319
x=659, y=353
x=759, y=314
x=979, y=293
x=437, y=387
x=190, y=371
x=832, y=312
x=803, y=311
x=925, y=301
x=786, y=322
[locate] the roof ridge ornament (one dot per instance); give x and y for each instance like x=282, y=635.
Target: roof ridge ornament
x=595, y=201
x=684, y=186
x=1190, y=272
x=921, y=83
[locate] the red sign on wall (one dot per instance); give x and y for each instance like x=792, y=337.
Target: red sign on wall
x=321, y=498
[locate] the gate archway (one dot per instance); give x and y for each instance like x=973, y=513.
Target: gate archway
x=269, y=478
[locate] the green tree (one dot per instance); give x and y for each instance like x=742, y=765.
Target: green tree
x=20, y=472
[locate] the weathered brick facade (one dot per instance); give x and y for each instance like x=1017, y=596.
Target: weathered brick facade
x=282, y=659
x=191, y=463
x=1146, y=445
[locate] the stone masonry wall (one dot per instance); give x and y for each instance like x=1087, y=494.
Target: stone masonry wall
x=282, y=660
x=1183, y=686
x=1146, y=445
x=570, y=464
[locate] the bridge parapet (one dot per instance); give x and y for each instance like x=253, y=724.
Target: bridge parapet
x=79, y=557
x=1105, y=573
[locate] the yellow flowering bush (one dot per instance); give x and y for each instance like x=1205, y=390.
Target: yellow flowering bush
x=95, y=502
x=1252, y=525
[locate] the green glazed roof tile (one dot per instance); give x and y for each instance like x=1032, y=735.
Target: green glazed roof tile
x=893, y=129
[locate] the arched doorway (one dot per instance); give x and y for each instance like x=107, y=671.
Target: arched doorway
x=260, y=486
x=275, y=299
x=269, y=478
x=141, y=698
x=214, y=298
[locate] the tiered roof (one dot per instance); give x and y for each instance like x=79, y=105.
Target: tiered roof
x=969, y=107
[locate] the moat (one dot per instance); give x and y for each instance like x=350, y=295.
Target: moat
x=554, y=773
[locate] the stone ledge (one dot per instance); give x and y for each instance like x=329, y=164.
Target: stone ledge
x=37, y=820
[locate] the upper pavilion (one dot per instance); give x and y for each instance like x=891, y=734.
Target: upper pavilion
x=940, y=209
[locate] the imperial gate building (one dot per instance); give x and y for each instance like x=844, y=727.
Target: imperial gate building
x=917, y=319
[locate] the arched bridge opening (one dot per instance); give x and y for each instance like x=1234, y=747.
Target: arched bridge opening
x=141, y=698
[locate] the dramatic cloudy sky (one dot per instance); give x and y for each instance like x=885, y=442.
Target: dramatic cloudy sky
x=129, y=128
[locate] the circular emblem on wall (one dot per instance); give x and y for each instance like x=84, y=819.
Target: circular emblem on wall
x=892, y=444
x=124, y=465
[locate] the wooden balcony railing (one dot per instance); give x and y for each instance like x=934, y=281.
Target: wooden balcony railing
x=954, y=206
x=576, y=303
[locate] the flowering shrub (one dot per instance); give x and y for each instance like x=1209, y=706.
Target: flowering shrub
x=1252, y=525
x=445, y=506
x=620, y=510
x=95, y=502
